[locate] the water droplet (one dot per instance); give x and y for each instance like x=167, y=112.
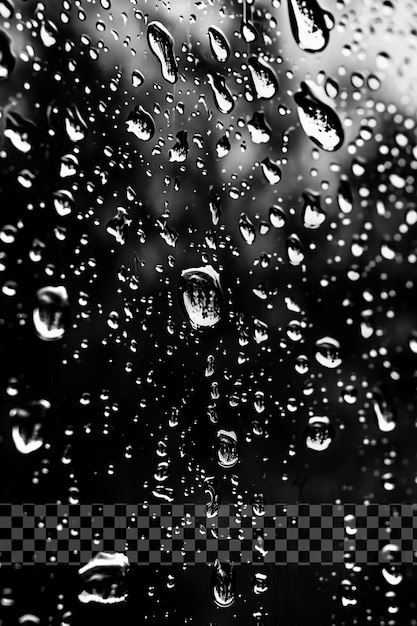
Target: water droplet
x=227, y=452
x=247, y=229
x=295, y=250
x=223, y=146
x=271, y=171
x=310, y=25
x=137, y=78
x=222, y=584
x=63, y=202
x=27, y=425
x=385, y=414
x=277, y=216
x=263, y=77
x=392, y=574
x=313, y=214
x=161, y=43
x=318, y=434
x=201, y=297
x=222, y=96
x=318, y=120
x=141, y=123
x=7, y=60
x=179, y=152
x=219, y=45
x=51, y=316
x=344, y=195
x=347, y=592
x=260, y=131
x=260, y=583
x=327, y=352
x=75, y=126
x=104, y=578
x=20, y=131
x=48, y=33
x=118, y=226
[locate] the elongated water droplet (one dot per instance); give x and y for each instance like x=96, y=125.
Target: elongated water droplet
x=201, y=296
x=313, y=214
x=295, y=250
x=20, y=131
x=310, y=25
x=223, y=146
x=247, y=229
x=392, y=574
x=319, y=122
x=277, y=216
x=258, y=504
x=222, y=584
x=260, y=583
x=104, y=579
x=271, y=171
x=318, y=434
x=259, y=129
x=344, y=195
x=327, y=352
x=27, y=424
x=7, y=59
x=161, y=43
x=179, y=152
x=219, y=45
x=140, y=123
x=263, y=77
x=137, y=78
x=212, y=507
x=227, y=452
x=222, y=96
x=385, y=414
x=118, y=226
x=63, y=202
x=51, y=315
x=48, y=33
x=75, y=126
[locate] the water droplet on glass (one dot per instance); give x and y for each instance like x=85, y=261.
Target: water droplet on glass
x=385, y=414
x=75, y=126
x=263, y=77
x=310, y=24
x=259, y=130
x=392, y=574
x=344, y=195
x=277, y=216
x=313, y=214
x=295, y=250
x=161, y=43
x=27, y=425
x=104, y=578
x=347, y=592
x=247, y=229
x=222, y=96
x=118, y=226
x=219, y=45
x=179, y=152
x=318, y=120
x=51, y=315
x=318, y=434
x=327, y=352
x=227, y=452
x=48, y=33
x=7, y=59
x=137, y=78
x=20, y=131
x=201, y=297
x=260, y=583
x=141, y=123
x=223, y=146
x=271, y=171
x=222, y=584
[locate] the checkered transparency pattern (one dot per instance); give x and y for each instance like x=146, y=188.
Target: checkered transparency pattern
x=183, y=533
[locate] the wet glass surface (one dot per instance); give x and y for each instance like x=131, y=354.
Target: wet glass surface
x=208, y=267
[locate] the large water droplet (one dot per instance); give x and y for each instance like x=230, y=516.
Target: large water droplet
x=179, y=152
x=327, y=352
x=385, y=414
x=201, y=296
x=7, y=60
x=295, y=250
x=310, y=25
x=222, y=584
x=271, y=171
x=318, y=434
x=51, y=316
x=104, y=578
x=140, y=123
x=313, y=214
x=75, y=125
x=260, y=583
x=259, y=129
x=318, y=120
x=227, y=452
x=118, y=226
x=219, y=45
x=247, y=229
x=20, y=131
x=263, y=77
x=222, y=96
x=27, y=425
x=161, y=43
